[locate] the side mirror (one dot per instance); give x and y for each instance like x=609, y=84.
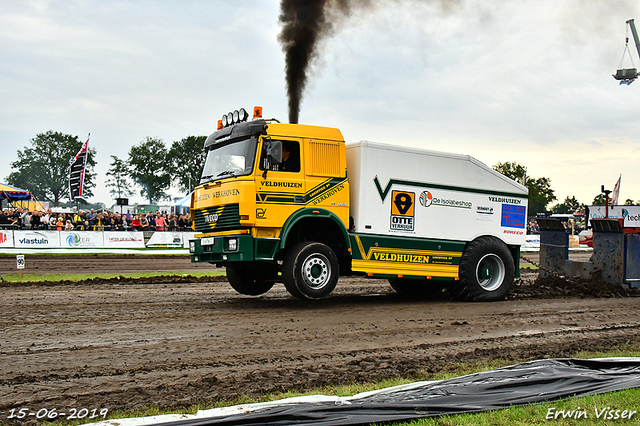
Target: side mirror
x=273, y=151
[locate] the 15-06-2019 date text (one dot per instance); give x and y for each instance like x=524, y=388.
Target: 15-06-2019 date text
x=52, y=413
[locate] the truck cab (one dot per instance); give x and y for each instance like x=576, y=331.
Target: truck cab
x=252, y=207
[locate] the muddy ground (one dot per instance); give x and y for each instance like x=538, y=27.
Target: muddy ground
x=131, y=344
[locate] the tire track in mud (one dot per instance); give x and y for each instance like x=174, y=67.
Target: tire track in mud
x=134, y=345
x=187, y=384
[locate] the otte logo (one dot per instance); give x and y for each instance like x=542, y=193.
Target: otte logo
x=403, y=211
x=211, y=218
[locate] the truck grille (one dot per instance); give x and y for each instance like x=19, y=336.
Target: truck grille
x=220, y=218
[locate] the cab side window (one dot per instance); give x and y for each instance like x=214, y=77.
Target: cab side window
x=290, y=158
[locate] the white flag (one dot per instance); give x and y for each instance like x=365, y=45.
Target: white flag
x=616, y=192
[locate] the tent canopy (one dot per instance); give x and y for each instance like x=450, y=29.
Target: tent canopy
x=12, y=193
x=184, y=202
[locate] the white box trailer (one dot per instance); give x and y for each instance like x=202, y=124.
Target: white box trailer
x=428, y=194
x=446, y=218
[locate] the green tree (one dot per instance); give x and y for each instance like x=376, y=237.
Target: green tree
x=540, y=192
x=44, y=167
x=186, y=160
x=569, y=205
x=629, y=202
x=600, y=200
x=118, y=178
x=512, y=170
x=148, y=168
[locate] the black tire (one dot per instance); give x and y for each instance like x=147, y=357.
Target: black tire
x=414, y=288
x=253, y=279
x=486, y=271
x=310, y=270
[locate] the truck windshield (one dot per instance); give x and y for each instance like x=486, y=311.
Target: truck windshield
x=229, y=160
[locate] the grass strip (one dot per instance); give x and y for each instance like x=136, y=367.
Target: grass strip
x=536, y=414
x=15, y=278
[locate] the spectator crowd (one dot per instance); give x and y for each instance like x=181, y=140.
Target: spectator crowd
x=572, y=226
x=25, y=219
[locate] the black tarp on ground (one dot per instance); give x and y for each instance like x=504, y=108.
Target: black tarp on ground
x=521, y=384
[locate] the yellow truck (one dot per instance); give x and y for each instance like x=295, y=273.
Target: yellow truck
x=294, y=204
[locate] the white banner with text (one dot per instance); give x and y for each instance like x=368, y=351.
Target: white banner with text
x=123, y=239
x=6, y=238
x=36, y=239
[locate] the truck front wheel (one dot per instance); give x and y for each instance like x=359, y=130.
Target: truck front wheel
x=310, y=270
x=486, y=271
x=252, y=280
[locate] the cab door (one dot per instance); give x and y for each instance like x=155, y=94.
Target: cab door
x=281, y=190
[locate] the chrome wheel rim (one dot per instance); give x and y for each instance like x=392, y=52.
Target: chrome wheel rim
x=490, y=272
x=316, y=271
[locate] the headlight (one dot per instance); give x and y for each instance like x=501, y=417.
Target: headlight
x=237, y=116
x=233, y=244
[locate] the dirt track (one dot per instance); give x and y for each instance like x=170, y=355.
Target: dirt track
x=129, y=345
x=102, y=263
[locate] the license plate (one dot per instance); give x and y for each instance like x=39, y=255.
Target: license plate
x=206, y=241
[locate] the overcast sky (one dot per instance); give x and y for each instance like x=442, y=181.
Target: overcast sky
x=512, y=80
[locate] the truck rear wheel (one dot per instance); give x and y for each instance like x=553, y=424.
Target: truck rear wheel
x=252, y=280
x=310, y=270
x=486, y=271
x=423, y=290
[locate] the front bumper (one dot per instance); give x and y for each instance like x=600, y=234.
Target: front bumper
x=233, y=248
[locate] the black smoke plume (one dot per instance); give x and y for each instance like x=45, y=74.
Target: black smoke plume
x=303, y=23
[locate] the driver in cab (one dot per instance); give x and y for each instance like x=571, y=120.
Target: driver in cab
x=290, y=158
